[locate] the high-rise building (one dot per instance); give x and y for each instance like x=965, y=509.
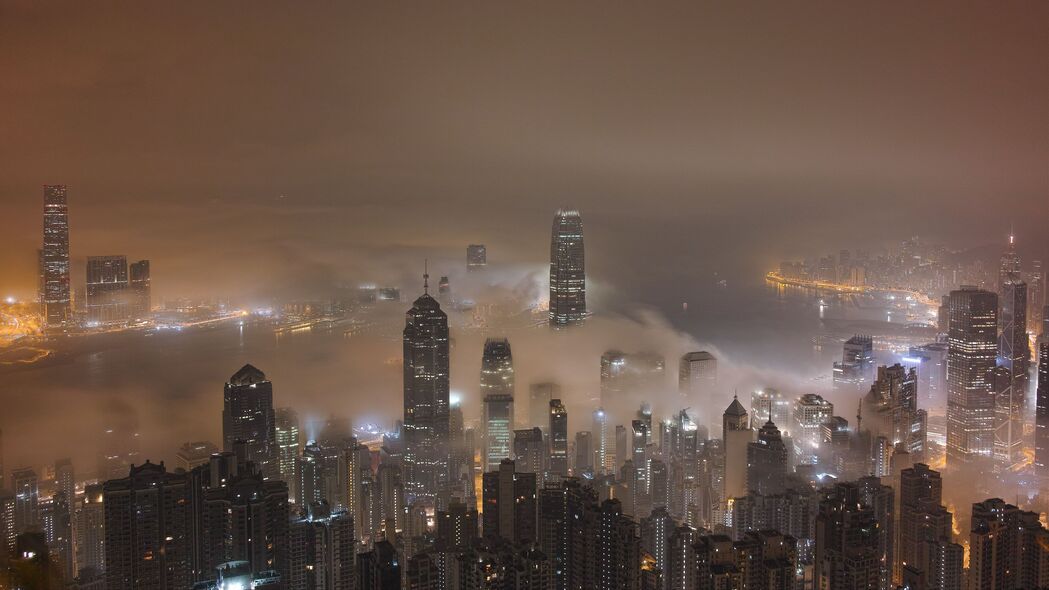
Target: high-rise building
x=195, y=454
x=736, y=434
x=148, y=537
x=558, y=437
x=497, y=392
x=810, y=412
x=767, y=461
x=697, y=378
x=322, y=551
x=626, y=377
x=1009, y=268
x=1035, y=279
x=539, y=396
x=379, y=569
x=927, y=557
x=140, y=286
x=584, y=453
x=90, y=538
x=286, y=431
x=248, y=418
x=972, y=347
x=476, y=257
x=530, y=451
x=604, y=443
x=1012, y=374
x=852, y=540
x=509, y=504
x=54, y=256
x=891, y=409
x=26, y=487
x=856, y=368
x=567, y=270
x=656, y=530
x=769, y=405
x=1041, y=426
x=565, y=510
x=426, y=403
x=108, y=299
x=1008, y=547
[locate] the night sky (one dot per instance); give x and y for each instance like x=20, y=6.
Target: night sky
x=283, y=147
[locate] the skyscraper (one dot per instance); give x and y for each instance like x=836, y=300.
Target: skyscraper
x=1035, y=279
x=567, y=270
x=26, y=487
x=1041, y=426
x=766, y=462
x=286, y=431
x=476, y=257
x=248, y=418
x=891, y=409
x=736, y=435
x=926, y=554
x=1014, y=362
x=108, y=299
x=147, y=518
x=90, y=540
x=510, y=502
x=627, y=377
x=539, y=396
x=426, y=405
x=558, y=436
x=139, y=285
x=54, y=257
x=972, y=347
x=1008, y=547
x=851, y=541
x=769, y=405
x=497, y=391
x=697, y=376
x=857, y=364
x=1009, y=268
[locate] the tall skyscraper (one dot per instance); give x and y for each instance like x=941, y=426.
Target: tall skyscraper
x=147, y=529
x=891, y=409
x=426, y=405
x=539, y=396
x=54, y=256
x=736, y=435
x=810, y=412
x=1009, y=268
x=769, y=405
x=558, y=436
x=1014, y=363
x=567, y=270
x=1041, y=426
x=856, y=368
x=476, y=257
x=139, y=285
x=767, y=462
x=26, y=487
x=248, y=418
x=851, y=541
x=530, y=453
x=697, y=376
x=286, y=431
x=108, y=299
x=972, y=348
x=604, y=443
x=1035, y=279
x=497, y=391
x=510, y=502
x=927, y=557
x=627, y=377
x=90, y=539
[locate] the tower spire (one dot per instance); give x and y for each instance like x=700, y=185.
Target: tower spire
x=426, y=276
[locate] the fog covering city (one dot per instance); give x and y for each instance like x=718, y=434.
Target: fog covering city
x=268, y=159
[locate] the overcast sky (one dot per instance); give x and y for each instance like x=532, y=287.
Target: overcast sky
x=253, y=146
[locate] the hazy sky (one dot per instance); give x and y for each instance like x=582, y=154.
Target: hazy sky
x=260, y=146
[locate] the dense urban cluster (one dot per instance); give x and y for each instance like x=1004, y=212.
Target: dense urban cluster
x=786, y=494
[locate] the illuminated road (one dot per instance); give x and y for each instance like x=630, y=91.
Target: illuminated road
x=775, y=277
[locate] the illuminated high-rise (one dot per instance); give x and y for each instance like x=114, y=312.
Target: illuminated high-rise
x=736, y=435
x=139, y=285
x=426, y=404
x=1014, y=353
x=567, y=270
x=497, y=391
x=1009, y=268
x=248, y=419
x=287, y=436
x=1035, y=279
x=1041, y=426
x=769, y=405
x=54, y=256
x=108, y=298
x=476, y=257
x=972, y=348
x=558, y=436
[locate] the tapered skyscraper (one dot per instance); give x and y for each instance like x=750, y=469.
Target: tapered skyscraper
x=972, y=346
x=425, y=395
x=567, y=270
x=54, y=257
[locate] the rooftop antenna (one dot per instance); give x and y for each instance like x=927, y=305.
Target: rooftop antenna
x=426, y=276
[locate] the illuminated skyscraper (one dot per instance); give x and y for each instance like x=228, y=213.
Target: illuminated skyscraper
x=769, y=405
x=627, y=377
x=558, y=435
x=248, y=418
x=567, y=270
x=539, y=396
x=287, y=433
x=54, y=257
x=476, y=257
x=972, y=347
x=1014, y=356
x=810, y=412
x=426, y=412
x=25, y=485
x=497, y=391
x=927, y=558
x=108, y=298
x=1009, y=268
x=736, y=435
x=604, y=444
x=1041, y=427
x=139, y=284
x=1035, y=280
x=856, y=368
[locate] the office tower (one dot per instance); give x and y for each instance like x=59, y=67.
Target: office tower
x=509, y=504
x=90, y=539
x=810, y=412
x=379, y=569
x=140, y=291
x=931, y=360
x=1035, y=280
x=1008, y=547
x=426, y=412
x=697, y=382
x=622, y=448
x=767, y=459
x=247, y=417
x=54, y=256
x=558, y=436
x=286, y=431
x=322, y=551
x=567, y=270
x=972, y=347
x=147, y=543
x=604, y=444
x=194, y=454
x=1041, y=426
x=891, y=409
x=25, y=485
x=850, y=541
x=856, y=368
x=1011, y=374
x=769, y=405
x=926, y=555
x=497, y=393
x=476, y=257
x=584, y=453
x=108, y=299
x=246, y=519
x=736, y=435
x=627, y=377
x=1009, y=268
x=530, y=451
x=539, y=396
